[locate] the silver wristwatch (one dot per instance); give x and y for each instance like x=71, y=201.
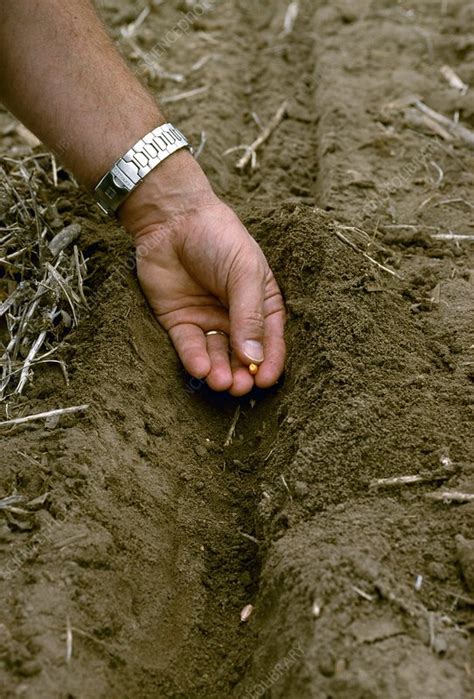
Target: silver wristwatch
x=135, y=164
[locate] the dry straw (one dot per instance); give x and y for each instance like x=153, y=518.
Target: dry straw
x=41, y=269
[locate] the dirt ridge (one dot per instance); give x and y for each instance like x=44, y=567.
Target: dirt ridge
x=143, y=543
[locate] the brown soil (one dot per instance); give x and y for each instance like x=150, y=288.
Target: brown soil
x=140, y=543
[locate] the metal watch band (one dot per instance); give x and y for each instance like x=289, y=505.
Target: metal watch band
x=135, y=164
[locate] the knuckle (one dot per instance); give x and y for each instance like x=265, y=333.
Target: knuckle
x=254, y=319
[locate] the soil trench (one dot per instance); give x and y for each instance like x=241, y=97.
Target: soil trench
x=155, y=534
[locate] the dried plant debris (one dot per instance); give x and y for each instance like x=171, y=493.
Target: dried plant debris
x=41, y=270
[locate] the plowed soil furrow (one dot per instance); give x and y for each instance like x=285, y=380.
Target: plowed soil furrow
x=136, y=547
x=155, y=534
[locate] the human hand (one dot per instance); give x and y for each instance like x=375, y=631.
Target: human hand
x=201, y=270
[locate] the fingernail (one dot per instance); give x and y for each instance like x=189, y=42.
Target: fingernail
x=253, y=350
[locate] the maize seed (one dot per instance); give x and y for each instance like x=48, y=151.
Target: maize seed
x=246, y=612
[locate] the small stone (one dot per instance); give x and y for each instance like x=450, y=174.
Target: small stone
x=422, y=632
x=300, y=489
x=440, y=645
x=366, y=567
x=437, y=571
x=200, y=450
x=51, y=422
x=326, y=663
x=154, y=428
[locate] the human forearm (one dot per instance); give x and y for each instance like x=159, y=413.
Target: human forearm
x=62, y=76
x=199, y=268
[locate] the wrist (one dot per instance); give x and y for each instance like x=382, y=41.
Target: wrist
x=111, y=143
x=176, y=187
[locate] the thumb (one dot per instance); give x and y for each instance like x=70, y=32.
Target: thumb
x=246, y=290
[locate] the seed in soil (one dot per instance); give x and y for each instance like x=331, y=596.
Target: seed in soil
x=246, y=612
